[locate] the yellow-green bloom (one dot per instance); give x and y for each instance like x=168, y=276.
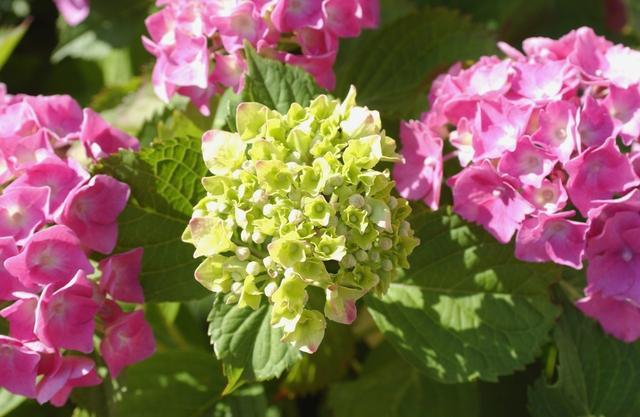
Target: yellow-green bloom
x=297, y=205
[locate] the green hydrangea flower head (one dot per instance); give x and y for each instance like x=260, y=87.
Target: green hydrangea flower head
x=298, y=205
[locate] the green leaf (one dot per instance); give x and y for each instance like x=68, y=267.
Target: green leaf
x=244, y=338
x=330, y=363
x=165, y=185
x=466, y=309
x=392, y=68
x=9, y=39
x=597, y=374
x=173, y=383
x=246, y=402
x=275, y=84
x=390, y=387
x=9, y=402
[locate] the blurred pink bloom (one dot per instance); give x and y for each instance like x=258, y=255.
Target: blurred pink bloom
x=73, y=11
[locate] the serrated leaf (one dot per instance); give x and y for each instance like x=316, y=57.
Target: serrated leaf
x=165, y=185
x=244, y=338
x=466, y=309
x=275, y=84
x=390, y=387
x=9, y=39
x=392, y=68
x=597, y=374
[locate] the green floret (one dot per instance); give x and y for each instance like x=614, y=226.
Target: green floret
x=298, y=203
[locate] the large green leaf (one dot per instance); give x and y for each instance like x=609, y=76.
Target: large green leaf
x=390, y=387
x=597, y=374
x=244, y=339
x=173, y=383
x=165, y=185
x=9, y=39
x=392, y=67
x=467, y=308
x=275, y=84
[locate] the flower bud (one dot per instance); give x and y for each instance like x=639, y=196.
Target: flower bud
x=243, y=253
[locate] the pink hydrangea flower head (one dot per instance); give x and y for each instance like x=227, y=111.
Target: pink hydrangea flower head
x=101, y=139
x=92, y=210
x=65, y=317
x=59, y=176
x=121, y=276
x=618, y=317
x=73, y=11
x=420, y=175
x=18, y=367
x=127, y=340
x=50, y=256
x=187, y=37
x=528, y=163
x=552, y=238
x=598, y=174
x=22, y=211
x=482, y=195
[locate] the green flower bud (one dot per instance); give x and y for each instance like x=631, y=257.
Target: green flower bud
x=298, y=204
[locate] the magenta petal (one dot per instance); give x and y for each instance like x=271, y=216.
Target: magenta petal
x=121, y=276
x=127, y=341
x=18, y=367
x=100, y=139
x=619, y=318
x=65, y=317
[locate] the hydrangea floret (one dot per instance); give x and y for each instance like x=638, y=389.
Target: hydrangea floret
x=198, y=44
x=548, y=144
x=297, y=207
x=59, y=304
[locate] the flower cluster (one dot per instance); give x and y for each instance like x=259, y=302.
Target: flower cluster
x=295, y=202
x=548, y=144
x=53, y=214
x=186, y=36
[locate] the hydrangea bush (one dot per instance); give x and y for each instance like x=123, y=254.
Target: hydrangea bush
x=214, y=226
x=548, y=144
x=296, y=202
x=54, y=218
x=199, y=45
